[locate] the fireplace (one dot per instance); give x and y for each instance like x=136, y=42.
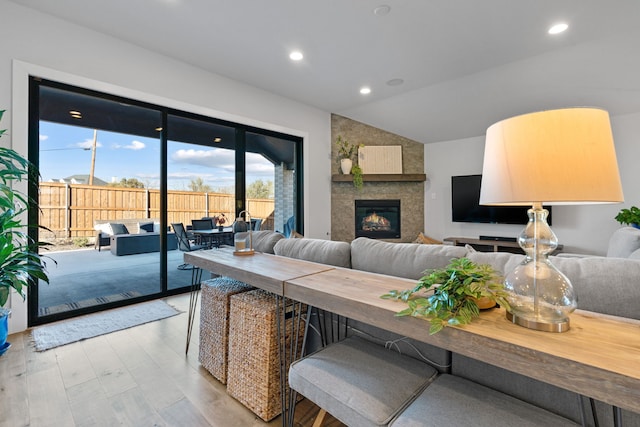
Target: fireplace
x=377, y=219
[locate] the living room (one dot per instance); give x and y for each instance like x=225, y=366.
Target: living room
x=39, y=43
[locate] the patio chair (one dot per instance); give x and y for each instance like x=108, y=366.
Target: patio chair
x=184, y=244
x=201, y=224
x=256, y=224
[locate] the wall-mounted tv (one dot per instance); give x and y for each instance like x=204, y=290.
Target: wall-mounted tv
x=465, y=205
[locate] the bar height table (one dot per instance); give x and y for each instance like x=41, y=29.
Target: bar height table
x=599, y=357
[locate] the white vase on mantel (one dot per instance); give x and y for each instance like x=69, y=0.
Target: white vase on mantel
x=345, y=165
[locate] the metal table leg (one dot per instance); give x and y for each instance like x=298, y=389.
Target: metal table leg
x=296, y=311
x=196, y=276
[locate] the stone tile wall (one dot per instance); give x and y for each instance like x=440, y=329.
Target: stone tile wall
x=344, y=194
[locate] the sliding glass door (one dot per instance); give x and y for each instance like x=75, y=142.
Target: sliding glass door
x=117, y=173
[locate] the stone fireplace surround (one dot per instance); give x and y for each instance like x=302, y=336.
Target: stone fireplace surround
x=344, y=194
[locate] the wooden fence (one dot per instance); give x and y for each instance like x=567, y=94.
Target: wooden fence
x=69, y=210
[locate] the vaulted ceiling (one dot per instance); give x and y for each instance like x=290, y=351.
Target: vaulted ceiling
x=461, y=64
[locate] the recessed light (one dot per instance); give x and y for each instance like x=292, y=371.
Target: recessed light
x=381, y=10
x=75, y=114
x=217, y=139
x=365, y=90
x=395, y=82
x=296, y=55
x=558, y=28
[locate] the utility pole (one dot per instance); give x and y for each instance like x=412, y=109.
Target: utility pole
x=93, y=156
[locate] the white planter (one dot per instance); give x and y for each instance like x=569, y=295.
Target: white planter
x=345, y=165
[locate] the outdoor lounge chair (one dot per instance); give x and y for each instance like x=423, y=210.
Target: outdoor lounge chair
x=184, y=244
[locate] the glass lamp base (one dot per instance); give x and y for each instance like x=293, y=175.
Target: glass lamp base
x=556, y=325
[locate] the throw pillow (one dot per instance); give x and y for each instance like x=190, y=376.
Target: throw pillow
x=145, y=227
x=117, y=228
x=426, y=240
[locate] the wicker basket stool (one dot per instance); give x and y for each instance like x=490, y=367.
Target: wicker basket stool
x=214, y=323
x=253, y=376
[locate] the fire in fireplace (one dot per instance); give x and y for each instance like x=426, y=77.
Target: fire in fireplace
x=378, y=219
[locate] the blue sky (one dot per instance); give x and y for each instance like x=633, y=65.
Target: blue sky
x=62, y=154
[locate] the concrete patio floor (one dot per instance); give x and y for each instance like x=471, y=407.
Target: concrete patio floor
x=84, y=277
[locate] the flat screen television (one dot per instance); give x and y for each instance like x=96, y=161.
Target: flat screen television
x=465, y=205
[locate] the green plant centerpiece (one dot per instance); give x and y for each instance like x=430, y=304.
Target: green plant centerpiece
x=450, y=296
x=630, y=216
x=20, y=262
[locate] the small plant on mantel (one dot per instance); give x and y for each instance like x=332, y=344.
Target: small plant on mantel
x=346, y=149
x=452, y=295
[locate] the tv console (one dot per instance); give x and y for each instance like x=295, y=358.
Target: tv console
x=490, y=245
x=499, y=238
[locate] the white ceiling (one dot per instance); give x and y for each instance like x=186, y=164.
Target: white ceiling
x=465, y=63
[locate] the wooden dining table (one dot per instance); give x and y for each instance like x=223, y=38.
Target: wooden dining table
x=599, y=357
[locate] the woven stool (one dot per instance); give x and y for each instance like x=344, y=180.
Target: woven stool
x=253, y=376
x=214, y=323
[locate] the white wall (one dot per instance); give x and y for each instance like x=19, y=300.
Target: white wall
x=34, y=43
x=581, y=229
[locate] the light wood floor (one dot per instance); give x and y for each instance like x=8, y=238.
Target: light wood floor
x=135, y=377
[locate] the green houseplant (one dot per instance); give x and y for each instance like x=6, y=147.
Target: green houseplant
x=452, y=295
x=630, y=216
x=346, y=153
x=20, y=262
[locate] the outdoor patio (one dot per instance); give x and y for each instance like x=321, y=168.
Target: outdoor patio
x=86, y=277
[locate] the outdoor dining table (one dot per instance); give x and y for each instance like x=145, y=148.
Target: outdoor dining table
x=214, y=237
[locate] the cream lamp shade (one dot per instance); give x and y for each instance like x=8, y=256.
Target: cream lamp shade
x=562, y=156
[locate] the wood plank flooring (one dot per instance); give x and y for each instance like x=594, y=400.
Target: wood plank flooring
x=135, y=377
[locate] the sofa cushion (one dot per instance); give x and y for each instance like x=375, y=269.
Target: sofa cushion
x=407, y=260
x=623, y=242
x=602, y=284
x=605, y=285
x=317, y=250
x=454, y=401
x=145, y=227
x=117, y=228
x=263, y=241
x=358, y=382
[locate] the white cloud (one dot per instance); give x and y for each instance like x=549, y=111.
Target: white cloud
x=88, y=143
x=43, y=137
x=134, y=145
x=214, y=158
x=256, y=164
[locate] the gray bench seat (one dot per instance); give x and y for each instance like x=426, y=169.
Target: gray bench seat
x=455, y=401
x=360, y=383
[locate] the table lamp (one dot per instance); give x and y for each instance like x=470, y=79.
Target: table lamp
x=555, y=157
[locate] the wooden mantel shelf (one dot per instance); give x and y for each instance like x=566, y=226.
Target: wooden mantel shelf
x=383, y=177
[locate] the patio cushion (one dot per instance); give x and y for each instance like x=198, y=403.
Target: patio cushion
x=145, y=227
x=454, y=401
x=117, y=228
x=358, y=382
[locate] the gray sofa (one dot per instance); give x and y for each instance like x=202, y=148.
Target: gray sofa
x=607, y=285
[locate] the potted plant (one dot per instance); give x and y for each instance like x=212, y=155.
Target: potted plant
x=220, y=221
x=346, y=150
x=20, y=263
x=629, y=216
x=453, y=295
